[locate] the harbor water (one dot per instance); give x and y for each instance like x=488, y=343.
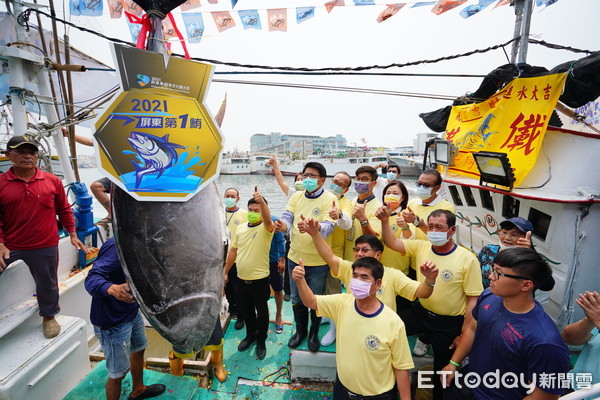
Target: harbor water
x=267, y=186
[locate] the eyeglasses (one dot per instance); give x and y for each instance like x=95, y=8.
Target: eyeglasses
x=421, y=184
x=336, y=182
x=497, y=274
x=362, y=249
x=314, y=176
x=363, y=179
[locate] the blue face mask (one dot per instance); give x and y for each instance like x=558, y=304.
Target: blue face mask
x=310, y=184
x=392, y=176
x=230, y=202
x=361, y=187
x=336, y=189
x=424, y=192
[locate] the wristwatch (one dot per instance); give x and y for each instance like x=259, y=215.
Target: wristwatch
x=417, y=222
x=364, y=223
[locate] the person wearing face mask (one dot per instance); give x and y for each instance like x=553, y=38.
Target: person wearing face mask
x=390, y=172
x=364, y=221
x=234, y=216
x=287, y=189
x=373, y=356
x=429, y=185
x=250, y=250
x=396, y=197
x=314, y=202
x=341, y=214
x=442, y=316
x=513, y=232
x=394, y=283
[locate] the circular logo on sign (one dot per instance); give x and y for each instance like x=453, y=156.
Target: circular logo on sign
x=143, y=80
x=372, y=342
x=316, y=212
x=490, y=221
x=447, y=275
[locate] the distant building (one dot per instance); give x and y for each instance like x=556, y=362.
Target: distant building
x=421, y=140
x=276, y=142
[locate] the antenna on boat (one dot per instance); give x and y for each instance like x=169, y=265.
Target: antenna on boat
x=523, y=11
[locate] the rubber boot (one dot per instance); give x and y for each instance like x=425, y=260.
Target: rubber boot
x=313, y=337
x=176, y=364
x=216, y=359
x=301, y=319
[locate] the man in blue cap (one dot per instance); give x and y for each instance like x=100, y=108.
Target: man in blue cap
x=513, y=232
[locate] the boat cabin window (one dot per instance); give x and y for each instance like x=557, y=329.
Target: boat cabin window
x=469, y=198
x=540, y=222
x=486, y=199
x=455, y=196
x=510, y=207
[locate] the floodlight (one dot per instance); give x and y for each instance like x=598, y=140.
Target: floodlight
x=494, y=169
x=444, y=152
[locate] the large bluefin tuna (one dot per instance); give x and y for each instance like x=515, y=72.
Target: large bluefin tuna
x=173, y=256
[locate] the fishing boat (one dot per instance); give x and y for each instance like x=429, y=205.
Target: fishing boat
x=235, y=165
x=258, y=164
x=408, y=162
x=334, y=164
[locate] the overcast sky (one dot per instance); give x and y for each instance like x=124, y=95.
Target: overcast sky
x=350, y=37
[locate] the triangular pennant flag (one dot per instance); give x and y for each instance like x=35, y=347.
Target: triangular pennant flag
x=501, y=3
x=364, y=2
x=471, y=10
x=304, y=14
x=424, y=3
x=223, y=20
x=250, y=19
x=390, y=11
x=134, y=29
x=168, y=29
x=88, y=8
x=189, y=5
x=132, y=8
x=546, y=3
x=233, y=3
x=446, y=5
x=115, y=7
x=277, y=19
x=329, y=5
x=194, y=26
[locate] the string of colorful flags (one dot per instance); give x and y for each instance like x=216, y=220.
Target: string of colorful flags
x=277, y=18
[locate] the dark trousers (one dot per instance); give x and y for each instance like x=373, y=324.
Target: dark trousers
x=439, y=330
x=286, y=273
x=232, y=292
x=340, y=392
x=43, y=265
x=255, y=311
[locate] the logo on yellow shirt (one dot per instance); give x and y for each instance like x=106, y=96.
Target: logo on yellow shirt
x=372, y=342
x=316, y=212
x=447, y=275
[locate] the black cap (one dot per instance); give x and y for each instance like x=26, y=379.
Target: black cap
x=17, y=141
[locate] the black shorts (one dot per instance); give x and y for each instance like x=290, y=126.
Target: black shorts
x=106, y=183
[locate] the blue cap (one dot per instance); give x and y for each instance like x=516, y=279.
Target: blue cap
x=517, y=222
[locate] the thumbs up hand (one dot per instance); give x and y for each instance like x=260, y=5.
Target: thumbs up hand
x=359, y=211
x=409, y=215
x=383, y=213
x=526, y=241
x=257, y=196
x=298, y=272
x=335, y=212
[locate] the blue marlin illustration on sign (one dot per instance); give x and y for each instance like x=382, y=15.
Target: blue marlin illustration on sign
x=156, y=153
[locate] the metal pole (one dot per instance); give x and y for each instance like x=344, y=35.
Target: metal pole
x=70, y=109
x=525, y=31
x=17, y=79
x=517, y=32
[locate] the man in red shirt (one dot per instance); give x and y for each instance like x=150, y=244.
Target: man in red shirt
x=30, y=200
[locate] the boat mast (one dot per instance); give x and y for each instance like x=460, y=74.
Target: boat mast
x=20, y=61
x=523, y=11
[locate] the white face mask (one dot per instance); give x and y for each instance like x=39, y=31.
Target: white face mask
x=424, y=192
x=503, y=246
x=438, y=238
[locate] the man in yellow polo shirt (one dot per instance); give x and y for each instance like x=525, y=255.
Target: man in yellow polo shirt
x=250, y=251
x=440, y=317
x=373, y=356
x=313, y=202
x=234, y=216
x=394, y=282
x=364, y=221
